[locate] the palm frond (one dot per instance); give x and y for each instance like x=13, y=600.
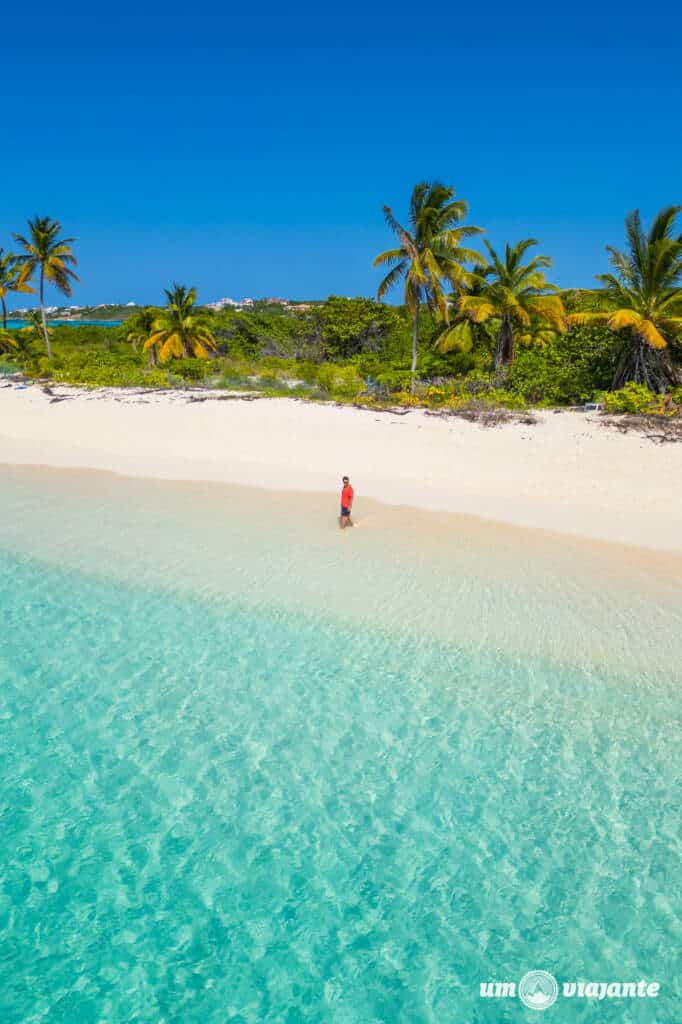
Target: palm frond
x=390, y=256
x=586, y=319
x=394, y=275
x=648, y=330
x=477, y=308
x=459, y=336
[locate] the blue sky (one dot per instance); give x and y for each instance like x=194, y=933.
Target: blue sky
x=249, y=152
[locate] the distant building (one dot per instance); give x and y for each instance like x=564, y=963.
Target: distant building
x=221, y=304
x=224, y=303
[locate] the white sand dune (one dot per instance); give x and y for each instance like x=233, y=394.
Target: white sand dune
x=568, y=473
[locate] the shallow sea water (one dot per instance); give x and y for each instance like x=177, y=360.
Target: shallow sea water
x=236, y=786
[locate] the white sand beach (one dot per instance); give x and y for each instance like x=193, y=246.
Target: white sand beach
x=568, y=472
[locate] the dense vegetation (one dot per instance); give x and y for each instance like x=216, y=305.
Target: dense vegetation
x=503, y=335
x=343, y=349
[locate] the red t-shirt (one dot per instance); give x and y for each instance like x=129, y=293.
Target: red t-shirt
x=347, y=496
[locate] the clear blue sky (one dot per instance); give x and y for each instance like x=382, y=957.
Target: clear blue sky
x=249, y=152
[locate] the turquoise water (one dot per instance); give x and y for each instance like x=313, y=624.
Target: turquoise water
x=221, y=808
x=15, y=324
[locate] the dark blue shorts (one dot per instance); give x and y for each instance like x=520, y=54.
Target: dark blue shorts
x=345, y=511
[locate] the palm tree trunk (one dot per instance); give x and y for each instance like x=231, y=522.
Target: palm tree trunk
x=415, y=342
x=46, y=336
x=504, y=347
x=645, y=365
x=186, y=348
x=4, y=312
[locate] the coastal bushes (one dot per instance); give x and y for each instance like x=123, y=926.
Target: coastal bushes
x=637, y=399
x=96, y=368
x=339, y=381
x=331, y=331
x=190, y=370
x=570, y=369
x=8, y=366
x=476, y=325
x=353, y=351
x=111, y=376
x=574, y=369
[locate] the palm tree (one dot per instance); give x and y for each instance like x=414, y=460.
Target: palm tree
x=7, y=341
x=644, y=300
x=138, y=329
x=514, y=296
x=52, y=257
x=460, y=332
x=34, y=327
x=179, y=330
x=429, y=253
x=13, y=278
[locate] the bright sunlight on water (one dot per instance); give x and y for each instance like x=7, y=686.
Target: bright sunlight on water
x=254, y=770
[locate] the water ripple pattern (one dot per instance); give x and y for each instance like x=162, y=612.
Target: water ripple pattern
x=220, y=811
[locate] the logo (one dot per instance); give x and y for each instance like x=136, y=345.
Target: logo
x=538, y=990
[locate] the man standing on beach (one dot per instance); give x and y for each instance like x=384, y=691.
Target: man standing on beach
x=347, y=495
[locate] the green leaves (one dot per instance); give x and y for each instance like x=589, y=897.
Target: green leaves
x=14, y=277
x=181, y=331
x=46, y=252
x=351, y=326
x=514, y=296
x=430, y=254
x=643, y=299
x=7, y=341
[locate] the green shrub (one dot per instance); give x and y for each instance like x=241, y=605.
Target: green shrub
x=278, y=367
x=507, y=399
x=191, y=369
x=568, y=370
x=307, y=371
x=41, y=366
x=155, y=379
x=235, y=369
x=633, y=398
x=408, y=399
x=101, y=369
x=339, y=381
x=114, y=377
x=8, y=366
x=268, y=381
x=272, y=346
x=474, y=384
x=395, y=380
x=452, y=364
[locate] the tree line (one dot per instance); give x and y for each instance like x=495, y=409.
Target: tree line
x=641, y=297
x=476, y=302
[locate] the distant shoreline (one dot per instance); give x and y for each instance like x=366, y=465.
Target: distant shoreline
x=14, y=325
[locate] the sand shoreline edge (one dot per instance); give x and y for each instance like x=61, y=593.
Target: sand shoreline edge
x=566, y=474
